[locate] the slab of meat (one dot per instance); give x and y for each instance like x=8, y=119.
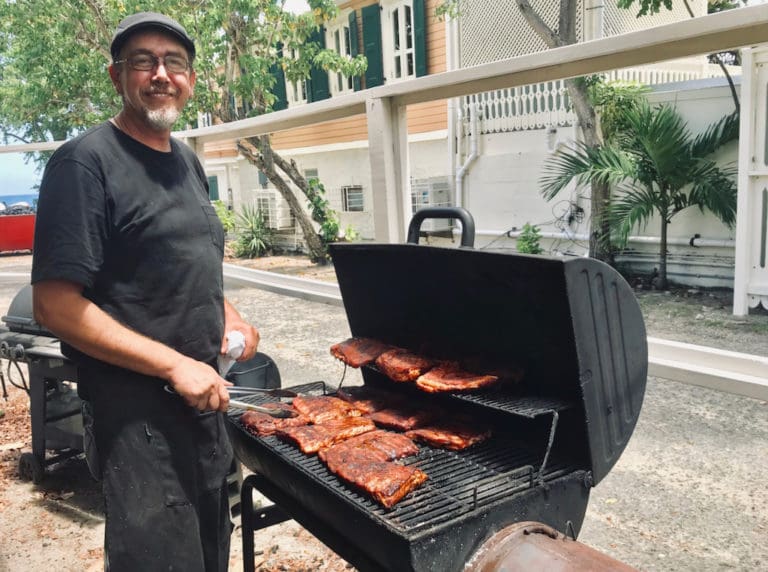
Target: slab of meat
x=451, y=435
x=368, y=399
x=311, y=438
x=449, y=376
x=378, y=445
x=387, y=482
x=357, y=352
x=263, y=425
x=404, y=419
x=402, y=365
x=323, y=408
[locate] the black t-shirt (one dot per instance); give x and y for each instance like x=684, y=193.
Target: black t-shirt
x=135, y=227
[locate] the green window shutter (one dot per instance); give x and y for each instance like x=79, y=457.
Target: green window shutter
x=374, y=75
x=420, y=37
x=354, y=47
x=278, y=90
x=213, y=188
x=318, y=78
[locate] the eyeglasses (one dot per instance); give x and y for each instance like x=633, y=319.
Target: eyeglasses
x=148, y=62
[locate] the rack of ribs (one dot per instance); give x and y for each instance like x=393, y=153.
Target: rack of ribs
x=263, y=424
x=324, y=408
x=369, y=400
x=385, y=481
x=449, y=376
x=452, y=435
x=311, y=438
x=357, y=352
x=403, y=365
x=378, y=445
x=404, y=418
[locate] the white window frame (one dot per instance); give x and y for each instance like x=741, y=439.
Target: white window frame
x=399, y=56
x=345, y=199
x=338, y=39
x=295, y=91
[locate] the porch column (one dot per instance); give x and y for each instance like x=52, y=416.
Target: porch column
x=750, y=284
x=388, y=149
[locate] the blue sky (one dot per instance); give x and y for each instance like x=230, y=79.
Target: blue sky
x=16, y=178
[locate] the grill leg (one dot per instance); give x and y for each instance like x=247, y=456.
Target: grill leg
x=253, y=519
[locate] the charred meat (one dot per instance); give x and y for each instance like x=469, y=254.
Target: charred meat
x=311, y=438
x=324, y=408
x=449, y=376
x=357, y=352
x=403, y=365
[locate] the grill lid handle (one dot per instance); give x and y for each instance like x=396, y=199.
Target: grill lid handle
x=467, y=223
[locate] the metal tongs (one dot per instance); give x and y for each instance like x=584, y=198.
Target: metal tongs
x=281, y=413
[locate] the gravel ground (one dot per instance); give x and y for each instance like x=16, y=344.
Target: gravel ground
x=687, y=494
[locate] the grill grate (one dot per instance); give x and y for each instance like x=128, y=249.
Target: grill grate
x=524, y=406
x=459, y=483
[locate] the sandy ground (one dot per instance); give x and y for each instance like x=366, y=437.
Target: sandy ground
x=687, y=494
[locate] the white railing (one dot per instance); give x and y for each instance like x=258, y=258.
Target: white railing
x=543, y=105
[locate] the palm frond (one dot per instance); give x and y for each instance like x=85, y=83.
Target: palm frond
x=716, y=135
x=583, y=164
x=634, y=207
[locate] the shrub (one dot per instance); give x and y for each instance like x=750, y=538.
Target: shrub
x=254, y=237
x=528, y=241
x=226, y=216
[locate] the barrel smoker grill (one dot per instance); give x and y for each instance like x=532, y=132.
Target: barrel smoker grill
x=572, y=324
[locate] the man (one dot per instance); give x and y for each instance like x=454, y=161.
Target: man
x=127, y=272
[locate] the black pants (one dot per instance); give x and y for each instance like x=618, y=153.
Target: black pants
x=164, y=469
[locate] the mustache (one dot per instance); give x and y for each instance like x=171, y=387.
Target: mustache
x=161, y=91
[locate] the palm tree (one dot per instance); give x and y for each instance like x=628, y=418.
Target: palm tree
x=659, y=169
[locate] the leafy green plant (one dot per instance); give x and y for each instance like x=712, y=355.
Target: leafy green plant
x=254, y=237
x=660, y=169
x=528, y=242
x=322, y=213
x=226, y=216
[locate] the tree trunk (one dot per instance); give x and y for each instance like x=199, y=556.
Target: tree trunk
x=663, y=254
x=265, y=162
x=599, y=235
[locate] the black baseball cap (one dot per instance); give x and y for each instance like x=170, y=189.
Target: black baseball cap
x=144, y=20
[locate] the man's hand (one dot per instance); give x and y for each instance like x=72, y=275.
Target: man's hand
x=233, y=322
x=199, y=385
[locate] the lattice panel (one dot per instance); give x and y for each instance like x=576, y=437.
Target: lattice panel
x=619, y=21
x=495, y=30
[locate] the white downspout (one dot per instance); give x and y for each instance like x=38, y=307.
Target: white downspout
x=462, y=198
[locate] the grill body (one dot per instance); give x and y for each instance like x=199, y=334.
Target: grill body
x=572, y=324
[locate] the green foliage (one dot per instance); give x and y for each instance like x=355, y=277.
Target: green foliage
x=659, y=168
x=254, y=237
x=528, y=242
x=448, y=9
x=226, y=216
x=54, y=55
x=612, y=99
x=322, y=213
x=350, y=234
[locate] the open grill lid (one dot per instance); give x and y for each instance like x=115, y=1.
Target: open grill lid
x=573, y=324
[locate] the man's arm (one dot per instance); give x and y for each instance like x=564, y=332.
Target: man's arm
x=61, y=307
x=234, y=322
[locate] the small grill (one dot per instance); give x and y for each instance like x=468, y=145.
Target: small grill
x=572, y=324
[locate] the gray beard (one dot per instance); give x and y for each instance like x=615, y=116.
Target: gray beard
x=162, y=119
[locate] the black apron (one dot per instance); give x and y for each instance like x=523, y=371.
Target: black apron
x=163, y=467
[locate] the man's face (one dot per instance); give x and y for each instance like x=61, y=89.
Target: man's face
x=155, y=97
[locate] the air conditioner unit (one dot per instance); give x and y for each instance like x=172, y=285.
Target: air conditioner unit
x=432, y=192
x=275, y=208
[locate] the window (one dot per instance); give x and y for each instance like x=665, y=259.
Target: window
x=352, y=198
x=296, y=91
x=339, y=39
x=398, y=28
